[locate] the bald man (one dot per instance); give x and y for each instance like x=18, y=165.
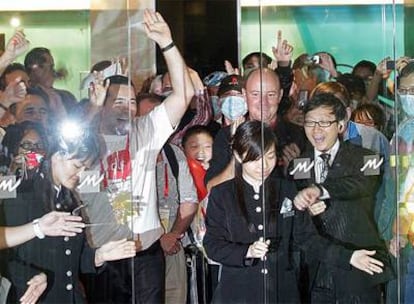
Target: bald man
x=263, y=95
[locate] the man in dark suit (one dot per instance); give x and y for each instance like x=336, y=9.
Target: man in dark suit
x=340, y=192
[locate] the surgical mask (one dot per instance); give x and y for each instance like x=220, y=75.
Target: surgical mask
x=233, y=107
x=407, y=104
x=215, y=103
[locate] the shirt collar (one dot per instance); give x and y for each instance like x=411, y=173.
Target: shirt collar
x=333, y=151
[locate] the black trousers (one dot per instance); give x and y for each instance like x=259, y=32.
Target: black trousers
x=116, y=284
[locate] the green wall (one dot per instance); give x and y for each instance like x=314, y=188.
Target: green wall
x=350, y=33
x=65, y=33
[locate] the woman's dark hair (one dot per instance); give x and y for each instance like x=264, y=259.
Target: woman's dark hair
x=374, y=111
x=329, y=101
x=195, y=130
x=354, y=84
x=35, y=56
x=365, y=64
x=13, y=137
x=10, y=69
x=264, y=59
x=406, y=71
x=251, y=141
x=87, y=145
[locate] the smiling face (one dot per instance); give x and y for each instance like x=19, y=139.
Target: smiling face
x=255, y=170
x=200, y=147
x=120, y=106
x=322, y=138
x=31, y=142
x=263, y=95
x=32, y=108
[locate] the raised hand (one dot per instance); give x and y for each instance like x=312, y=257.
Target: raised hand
x=98, y=89
x=60, y=224
x=362, y=260
x=326, y=63
x=382, y=68
x=229, y=68
x=37, y=286
x=17, y=45
x=156, y=28
x=282, y=51
x=14, y=92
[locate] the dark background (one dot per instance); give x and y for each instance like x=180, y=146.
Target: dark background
x=204, y=30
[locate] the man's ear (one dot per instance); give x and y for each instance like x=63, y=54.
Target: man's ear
x=237, y=157
x=280, y=95
x=341, y=126
x=348, y=113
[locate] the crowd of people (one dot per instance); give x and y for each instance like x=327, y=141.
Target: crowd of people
x=281, y=173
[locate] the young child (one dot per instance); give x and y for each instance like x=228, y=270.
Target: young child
x=198, y=148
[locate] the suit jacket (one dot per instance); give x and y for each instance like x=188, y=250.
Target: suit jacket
x=349, y=217
x=60, y=258
x=229, y=236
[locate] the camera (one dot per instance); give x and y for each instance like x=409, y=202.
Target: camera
x=316, y=59
x=390, y=65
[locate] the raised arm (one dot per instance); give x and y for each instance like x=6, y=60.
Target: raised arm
x=17, y=45
x=178, y=101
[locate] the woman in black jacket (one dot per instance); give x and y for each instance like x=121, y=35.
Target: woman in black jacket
x=252, y=227
x=52, y=188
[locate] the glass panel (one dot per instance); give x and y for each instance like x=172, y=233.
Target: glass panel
x=54, y=157
x=349, y=33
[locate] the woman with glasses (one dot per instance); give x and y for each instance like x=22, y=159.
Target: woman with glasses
x=53, y=188
x=23, y=147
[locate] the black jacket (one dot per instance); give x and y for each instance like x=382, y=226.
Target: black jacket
x=60, y=258
x=349, y=217
x=229, y=236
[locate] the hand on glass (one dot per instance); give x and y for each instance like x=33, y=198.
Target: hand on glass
x=60, y=224
x=282, y=51
x=362, y=260
x=156, y=28
x=37, y=286
x=397, y=243
x=115, y=250
x=258, y=249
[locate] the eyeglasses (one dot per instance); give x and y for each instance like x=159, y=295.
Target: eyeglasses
x=322, y=124
x=32, y=146
x=406, y=91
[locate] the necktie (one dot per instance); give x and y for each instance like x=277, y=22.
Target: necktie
x=325, y=166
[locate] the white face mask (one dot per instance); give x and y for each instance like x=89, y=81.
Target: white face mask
x=233, y=107
x=407, y=103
